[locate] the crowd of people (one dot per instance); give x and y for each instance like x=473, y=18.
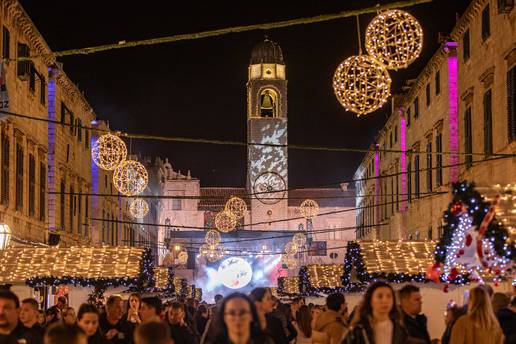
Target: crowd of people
x=382, y=317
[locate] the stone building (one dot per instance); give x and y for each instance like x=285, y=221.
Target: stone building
x=458, y=112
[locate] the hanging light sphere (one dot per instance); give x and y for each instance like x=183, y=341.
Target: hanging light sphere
x=290, y=248
x=299, y=239
x=130, y=178
x=204, y=249
x=216, y=253
x=182, y=257
x=108, y=152
x=361, y=84
x=394, y=38
x=237, y=207
x=309, y=209
x=225, y=221
x=212, y=237
x=139, y=208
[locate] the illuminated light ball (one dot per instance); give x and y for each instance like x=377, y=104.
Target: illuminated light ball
x=237, y=207
x=361, y=84
x=290, y=248
x=225, y=221
x=299, y=239
x=182, y=257
x=235, y=273
x=394, y=38
x=138, y=208
x=215, y=253
x=130, y=178
x=205, y=249
x=212, y=237
x=108, y=152
x=309, y=209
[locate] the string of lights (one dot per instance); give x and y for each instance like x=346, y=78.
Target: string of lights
x=237, y=29
x=244, y=144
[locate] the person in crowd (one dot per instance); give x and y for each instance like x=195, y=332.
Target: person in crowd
x=264, y=303
x=283, y=313
x=218, y=299
x=11, y=329
x=411, y=303
x=150, y=309
x=153, y=332
x=112, y=323
x=499, y=301
x=235, y=322
x=201, y=319
x=377, y=320
x=51, y=315
x=479, y=325
x=88, y=321
x=29, y=314
x=507, y=319
x=294, y=306
x=179, y=330
x=133, y=308
x=68, y=316
x=42, y=321
x=332, y=323
x=453, y=312
x=303, y=326
x=61, y=333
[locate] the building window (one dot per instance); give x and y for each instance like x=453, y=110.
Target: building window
x=486, y=23
x=42, y=191
x=429, y=166
x=408, y=117
x=79, y=130
x=392, y=196
x=19, y=177
x=465, y=46
x=103, y=226
x=409, y=181
x=416, y=176
x=86, y=214
x=488, y=123
x=79, y=207
x=439, y=159
x=32, y=78
x=42, y=90
x=511, y=104
x=397, y=190
x=72, y=122
x=5, y=169
x=428, y=94
x=70, y=209
x=62, y=205
x=86, y=139
x=437, y=82
x=5, y=43
x=468, y=138
x=416, y=107
x=32, y=185
x=64, y=111
x=429, y=235
x=176, y=204
x=390, y=140
x=23, y=67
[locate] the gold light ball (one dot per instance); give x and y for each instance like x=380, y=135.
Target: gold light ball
x=225, y=221
x=130, y=178
x=237, y=207
x=204, y=249
x=108, y=152
x=290, y=248
x=216, y=253
x=299, y=239
x=361, y=84
x=394, y=38
x=139, y=208
x=182, y=257
x=212, y=237
x=309, y=209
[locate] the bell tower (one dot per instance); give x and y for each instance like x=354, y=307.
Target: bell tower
x=267, y=156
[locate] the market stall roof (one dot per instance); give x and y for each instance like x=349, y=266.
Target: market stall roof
x=18, y=264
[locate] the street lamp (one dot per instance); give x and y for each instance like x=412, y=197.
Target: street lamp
x=5, y=236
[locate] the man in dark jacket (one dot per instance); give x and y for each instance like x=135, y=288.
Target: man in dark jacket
x=116, y=329
x=12, y=330
x=411, y=305
x=507, y=319
x=181, y=333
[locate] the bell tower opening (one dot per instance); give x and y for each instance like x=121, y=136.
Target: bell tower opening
x=268, y=102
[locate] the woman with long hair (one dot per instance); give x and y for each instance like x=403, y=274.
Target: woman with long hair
x=479, y=325
x=377, y=320
x=88, y=321
x=303, y=325
x=264, y=303
x=133, y=308
x=68, y=316
x=235, y=322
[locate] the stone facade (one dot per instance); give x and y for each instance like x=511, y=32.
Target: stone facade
x=461, y=104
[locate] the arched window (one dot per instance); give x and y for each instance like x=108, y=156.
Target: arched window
x=268, y=103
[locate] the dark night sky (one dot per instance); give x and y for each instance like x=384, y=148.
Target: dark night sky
x=198, y=88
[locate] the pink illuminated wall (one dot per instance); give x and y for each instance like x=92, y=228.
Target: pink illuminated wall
x=403, y=146
x=377, y=187
x=451, y=49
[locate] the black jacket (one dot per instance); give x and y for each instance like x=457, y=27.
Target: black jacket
x=124, y=328
x=362, y=333
x=507, y=319
x=275, y=330
x=21, y=332
x=182, y=335
x=416, y=327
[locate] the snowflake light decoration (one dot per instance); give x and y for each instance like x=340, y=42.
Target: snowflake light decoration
x=212, y=237
x=138, y=208
x=237, y=207
x=225, y=221
x=108, y=152
x=130, y=178
x=309, y=209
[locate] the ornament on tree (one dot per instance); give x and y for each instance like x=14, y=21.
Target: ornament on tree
x=457, y=208
x=433, y=272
